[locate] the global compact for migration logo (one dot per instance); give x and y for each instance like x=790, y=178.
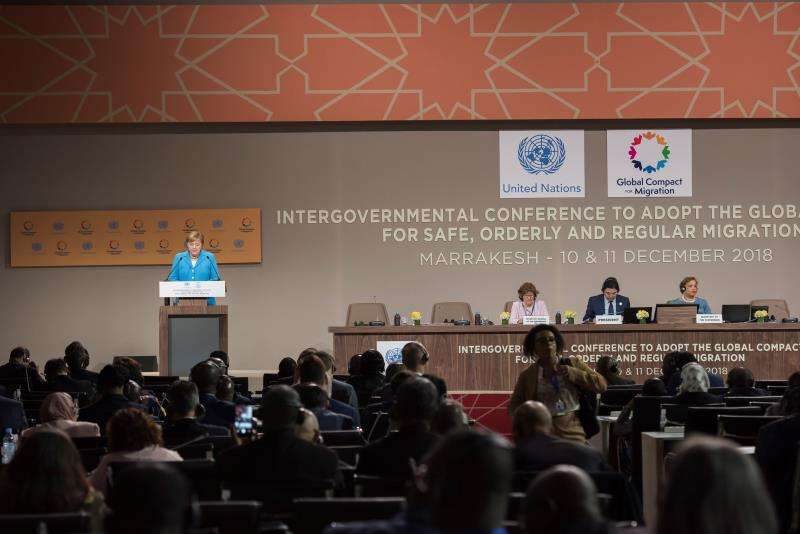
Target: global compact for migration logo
x=649, y=152
x=541, y=154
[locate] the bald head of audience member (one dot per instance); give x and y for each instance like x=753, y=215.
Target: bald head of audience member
x=206, y=375
x=561, y=496
x=280, y=407
x=467, y=481
x=530, y=419
x=307, y=427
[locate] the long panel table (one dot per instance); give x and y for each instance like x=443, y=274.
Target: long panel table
x=489, y=358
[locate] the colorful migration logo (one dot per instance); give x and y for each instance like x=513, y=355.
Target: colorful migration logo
x=541, y=154
x=649, y=152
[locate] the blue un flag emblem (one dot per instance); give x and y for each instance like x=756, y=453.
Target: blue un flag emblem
x=541, y=154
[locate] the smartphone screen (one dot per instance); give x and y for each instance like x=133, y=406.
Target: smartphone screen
x=243, y=423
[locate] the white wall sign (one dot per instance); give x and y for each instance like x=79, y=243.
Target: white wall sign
x=649, y=163
x=542, y=164
x=392, y=350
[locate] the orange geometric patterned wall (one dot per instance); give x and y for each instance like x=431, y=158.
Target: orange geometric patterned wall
x=374, y=62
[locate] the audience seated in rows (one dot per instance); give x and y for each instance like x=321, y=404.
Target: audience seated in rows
x=681, y=359
x=20, y=367
x=372, y=411
x=779, y=408
x=415, y=357
x=609, y=369
x=333, y=414
x=354, y=365
x=55, y=373
x=652, y=387
x=77, y=358
x=416, y=404
x=315, y=399
x=449, y=419
x=307, y=427
x=338, y=390
x=226, y=389
x=537, y=449
x=110, y=383
x=776, y=453
x=286, y=369
x=182, y=413
x=713, y=488
x=135, y=390
x=385, y=393
x=12, y=415
x=563, y=500
x=741, y=382
x=369, y=377
x=59, y=412
x=693, y=388
x=132, y=437
x=205, y=376
x=220, y=357
x=46, y=477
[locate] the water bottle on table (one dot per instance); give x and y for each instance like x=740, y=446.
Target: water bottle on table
x=9, y=445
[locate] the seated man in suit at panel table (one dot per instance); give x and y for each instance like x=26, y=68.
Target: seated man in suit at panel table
x=205, y=376
x=608, y=302
x=182, y=413
x=537, y=450
x=110, y=383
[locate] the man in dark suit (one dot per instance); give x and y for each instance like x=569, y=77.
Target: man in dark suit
x=315, y=399
x=414, y=409
x=608, y=302
x=77, y=358
x=182, y=425
x=538, y=450
x=776, y=453
x=279, y=458
x=21, y=368
x=205, y=376
x=111, y=383
x=55, y=372
x=12, y=415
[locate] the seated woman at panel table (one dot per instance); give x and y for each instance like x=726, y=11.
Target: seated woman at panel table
x=688, y=288
x=194, y=263
x=528, y=304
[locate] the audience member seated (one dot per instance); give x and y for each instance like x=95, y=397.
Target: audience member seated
x=58, y=412
x=149, y=498
x=741, y=382
x=286, y=369
x=412, y=413
x=563, y=500
x=463, y=487
x=307, y=427
x=77, y=358
x=372, y=410
x=312, y=371
x=536, y=449
x=55, y=372
x=110, y=384
x=681, y=359
x=712, y=488
x=338, y=391
x=278, y=458
x=385, y=392
x=441, y=385
x=226, y=389
x=415, y=357
x=137, y=393
x=354, y=365
x=132, y=437
x=669, y=366
x=779, y=408
x=221, y=357
x=315, y=399
x=20, y=367
x=205, y=376
x=693, y=387
x=449, y=419
x=609, y=369
x=12, y=415
x=182, y=424
x=369, y=378
x=652, y=387
x=46, y=477
x=776, y=453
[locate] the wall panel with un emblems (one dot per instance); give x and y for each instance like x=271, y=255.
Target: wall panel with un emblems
x=136, y=237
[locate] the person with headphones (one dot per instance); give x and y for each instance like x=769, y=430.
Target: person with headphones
x=608, y=302
x=415, y=357
x=688, y=288
x=528, y=304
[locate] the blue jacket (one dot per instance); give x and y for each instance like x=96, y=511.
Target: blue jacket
x=205, y=270
x=598, y=305
x=702, y=304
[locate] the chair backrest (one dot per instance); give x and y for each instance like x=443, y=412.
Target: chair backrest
x=201, y=474
x=719, y=391
x=378, y=486
x=777, y=307
x=230, y=517
x=311, y=516
x=777, y=390
x=367, y=311
x=747, y=401
x=278, y=498
x=743, y=428
x=763, y=384
x=159, y=380
x=347, y=453
x=646, y=417
x=90, y=458
x=90, y=442
x=343, y=437
x=619, y=396
x=508, y=305
x=201, y=450
x=451, y=311
x=704, y=419
x=68, y=523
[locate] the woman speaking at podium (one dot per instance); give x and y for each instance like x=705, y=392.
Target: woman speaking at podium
x=194, y=263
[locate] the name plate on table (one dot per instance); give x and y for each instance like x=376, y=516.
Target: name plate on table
x=607, y=319
x=187, y=290
x=532, y=320
x=708, y=318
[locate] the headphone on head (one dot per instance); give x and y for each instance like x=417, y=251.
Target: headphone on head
x=424, y=358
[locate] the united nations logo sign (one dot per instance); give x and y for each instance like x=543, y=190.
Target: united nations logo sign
x=394, y=355
x=541, y=154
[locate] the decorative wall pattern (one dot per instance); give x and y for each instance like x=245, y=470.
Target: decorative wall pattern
x=354, y=62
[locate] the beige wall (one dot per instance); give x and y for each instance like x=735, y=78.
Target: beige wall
x=311, y=272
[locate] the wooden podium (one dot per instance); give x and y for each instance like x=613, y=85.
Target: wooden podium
x=192, y=297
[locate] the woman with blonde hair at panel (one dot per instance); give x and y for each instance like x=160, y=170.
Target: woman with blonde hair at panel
x=528, y=304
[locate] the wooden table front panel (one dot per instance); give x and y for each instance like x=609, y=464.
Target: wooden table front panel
x=489, y=358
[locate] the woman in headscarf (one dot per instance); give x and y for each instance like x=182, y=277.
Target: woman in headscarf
x=58, y=411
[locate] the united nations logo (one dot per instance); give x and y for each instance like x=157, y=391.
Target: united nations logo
x=394, y=355
x=238, y=243
x=541, y=154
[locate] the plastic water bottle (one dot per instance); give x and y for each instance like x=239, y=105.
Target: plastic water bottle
x=478, y=319
x=558, y=317
x=9, y=446
x=397, y=319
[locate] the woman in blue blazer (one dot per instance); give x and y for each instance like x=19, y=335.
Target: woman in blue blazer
x=688, y=287
x=608, y=302
x=194, y=263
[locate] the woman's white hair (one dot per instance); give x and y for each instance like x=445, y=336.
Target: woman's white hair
x=693, y=378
